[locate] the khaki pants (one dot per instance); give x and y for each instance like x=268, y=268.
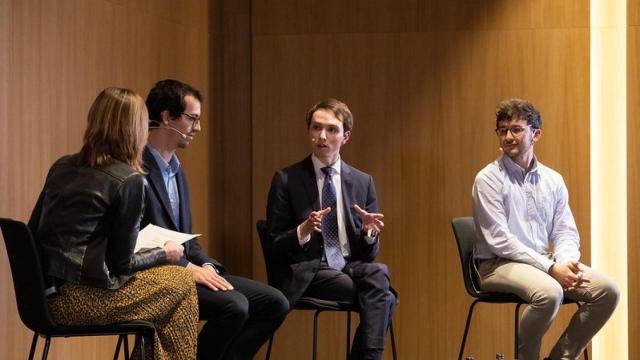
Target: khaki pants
x=544, y=296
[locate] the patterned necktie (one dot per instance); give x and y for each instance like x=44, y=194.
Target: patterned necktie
x=330, y=222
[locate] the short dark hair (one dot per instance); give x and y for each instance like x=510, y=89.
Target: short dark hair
x=518, y=109
x=339, y=109
x=169, y=95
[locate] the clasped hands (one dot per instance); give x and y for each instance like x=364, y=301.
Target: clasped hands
x=570, y=275
x=371, y=222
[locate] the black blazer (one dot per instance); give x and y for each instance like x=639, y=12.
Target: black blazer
x=292, y=197
x=158, y=210
x=86, y=223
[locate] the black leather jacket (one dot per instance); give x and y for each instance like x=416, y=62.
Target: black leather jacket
x=86, y=223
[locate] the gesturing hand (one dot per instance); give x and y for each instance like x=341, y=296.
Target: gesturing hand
x=313, y=222
x=370, y=221
x=207, y=276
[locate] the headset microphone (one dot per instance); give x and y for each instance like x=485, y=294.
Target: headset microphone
x=184, y=136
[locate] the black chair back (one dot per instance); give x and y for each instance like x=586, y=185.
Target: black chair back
x=465, y=233
x=263, y=234
x=28, y=279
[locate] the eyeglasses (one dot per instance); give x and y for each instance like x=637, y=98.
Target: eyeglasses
x=195, y=120
x=515, y=130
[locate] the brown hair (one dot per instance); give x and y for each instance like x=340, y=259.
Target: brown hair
x=518, y=109
x=338, y=108
x=116, y=129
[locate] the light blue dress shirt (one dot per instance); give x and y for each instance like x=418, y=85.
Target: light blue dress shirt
x=169, y=171
x=524, y=216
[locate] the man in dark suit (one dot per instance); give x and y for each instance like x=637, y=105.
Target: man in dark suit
x=242, y=314
x=324, y=227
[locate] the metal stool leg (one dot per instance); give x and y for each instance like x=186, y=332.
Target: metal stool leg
x=466, y=328
x=515, y=332
x=33, y=345
x=126, y=347
x=393, y=341
x=348, y=335
x=118, y=345
x=45, y=352
x=141, y=342
x=269, y=348
x=315, y=334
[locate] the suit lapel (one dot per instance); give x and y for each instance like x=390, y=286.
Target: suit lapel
x=347, y=197
x=184, y=202
x=310, y=183
x=157, y=183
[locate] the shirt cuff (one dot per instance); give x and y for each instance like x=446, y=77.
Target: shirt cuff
x=301, y=240
x=371, y=237
x=213, y=266
x=546, y=263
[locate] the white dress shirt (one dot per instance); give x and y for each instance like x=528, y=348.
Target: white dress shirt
x=337, y=182
x=523, y=216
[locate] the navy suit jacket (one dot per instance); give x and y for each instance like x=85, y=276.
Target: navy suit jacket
x=292, y=197
x=158, y=211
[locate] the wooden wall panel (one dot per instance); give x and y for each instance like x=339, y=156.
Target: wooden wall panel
x=55, y=56
x=423, y=85
x=235, y=100
x=633, y=174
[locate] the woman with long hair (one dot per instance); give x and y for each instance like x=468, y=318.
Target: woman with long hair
x=86, y=223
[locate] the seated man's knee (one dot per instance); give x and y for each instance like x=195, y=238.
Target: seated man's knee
x=391, y=300
x=237, y=311
x=610, y=294
x=377, y=271
x=548, y=296
x=379, y=268
x=279, y=305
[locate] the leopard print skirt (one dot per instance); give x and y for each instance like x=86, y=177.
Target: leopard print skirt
x=162, y=295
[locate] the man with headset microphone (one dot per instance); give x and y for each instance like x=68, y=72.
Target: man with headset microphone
x=241, y=313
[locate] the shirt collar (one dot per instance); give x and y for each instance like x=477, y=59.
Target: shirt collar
x=318, y=165
x=516, y=169
x=173, y=166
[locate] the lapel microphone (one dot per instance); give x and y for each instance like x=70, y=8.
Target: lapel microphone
x=168, y=127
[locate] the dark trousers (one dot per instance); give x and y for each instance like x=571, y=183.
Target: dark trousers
x=367, y=285
x=239, y=321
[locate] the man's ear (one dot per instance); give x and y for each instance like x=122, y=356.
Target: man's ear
x=165, y=117
x=536, y=135
x=347, y=135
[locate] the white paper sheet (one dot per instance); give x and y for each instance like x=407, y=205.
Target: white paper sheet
x=153, y=236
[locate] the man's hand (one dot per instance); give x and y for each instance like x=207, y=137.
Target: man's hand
x=370, y=221
x=173, y=251
x=313, y=222
x=569, y=274
x=207, y=276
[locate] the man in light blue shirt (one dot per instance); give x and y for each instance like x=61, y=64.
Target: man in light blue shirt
x=528, y=243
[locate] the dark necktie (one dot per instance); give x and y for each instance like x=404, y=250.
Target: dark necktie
x=330, y=222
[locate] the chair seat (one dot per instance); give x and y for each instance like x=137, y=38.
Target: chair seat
x=133, y=327
x=498, y=297
x=508, y=298
x=310, y=303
